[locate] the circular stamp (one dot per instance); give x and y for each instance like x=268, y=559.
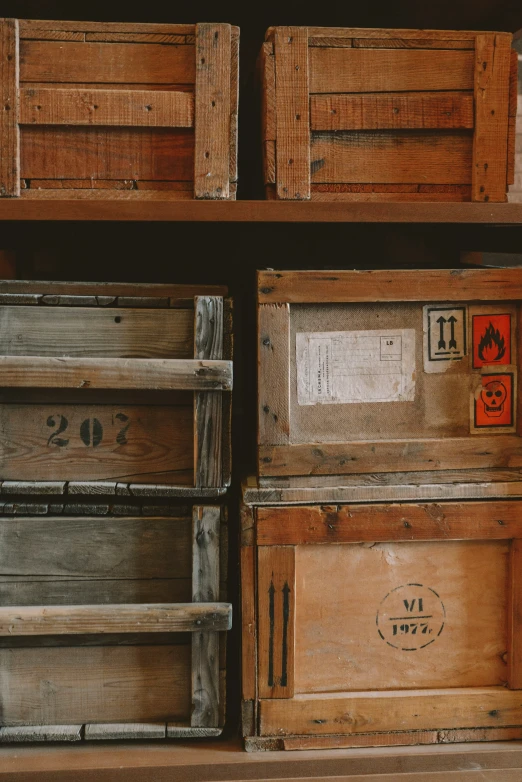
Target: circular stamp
x=411, y=617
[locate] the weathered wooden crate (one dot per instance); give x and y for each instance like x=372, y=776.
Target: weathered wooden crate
x=115, y=389
x=388, y=371
x=388, y=115
x=112, y=620
x=118, y=110
x=377, y=623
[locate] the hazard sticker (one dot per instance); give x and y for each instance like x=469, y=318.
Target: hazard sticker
x=494, y=401
x=491, y=340
x=445, y=336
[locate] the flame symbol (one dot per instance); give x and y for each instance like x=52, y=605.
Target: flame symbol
x=490, y=341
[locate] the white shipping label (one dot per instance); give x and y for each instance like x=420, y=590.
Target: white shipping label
x=343, y=367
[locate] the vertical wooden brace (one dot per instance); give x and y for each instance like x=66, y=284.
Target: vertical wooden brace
x=490, y=137
x=9, y=108
x=234, y=102
x=208, y=405
x=274, y=374
x=292, y=113
x=514, y=640
x=512, y=119
x=276, y=621
x=206, y=522
x=212, y=111
x=248, y=624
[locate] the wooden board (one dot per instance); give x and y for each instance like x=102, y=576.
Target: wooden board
x=208, y=406
x=273, y=373
x=9, y=116
x=48, y=590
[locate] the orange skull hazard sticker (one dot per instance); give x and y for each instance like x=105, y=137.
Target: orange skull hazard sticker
x=494, y=403
x=491, y=340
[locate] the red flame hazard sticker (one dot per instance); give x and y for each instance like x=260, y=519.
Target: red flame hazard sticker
x=491, y=340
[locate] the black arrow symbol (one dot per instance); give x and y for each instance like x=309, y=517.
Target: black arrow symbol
x=286, y=617
x=442, y=341
x=271, y=614
x=453, y=341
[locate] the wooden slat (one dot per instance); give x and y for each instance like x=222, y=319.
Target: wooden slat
x=32, y=733
x=452, y=453
x=248, y=624
x=27, y=26
x=234, y=107
x=391, y=111
x=212, y=111
x=51, y=35
x=125, y=730
x=292, y=526
x=110, y=289
x=514, y=641
x=398, y=285
x=276, y=621
x=9, y=114
x=107, y=107
x=111, y=37
x=292, y=113
x=268, y=92
x=402, y=156
x=274, y=374
x=383, y=32
x=411, y=43
x=51, y=591
x=117, y=618
x=49, y=152
x=208, y=407
x=389, y=70
x=175, y=731
x=68, y=62
x=206, y=523
x=154, y=374
x=412, y=710
x=492, y=70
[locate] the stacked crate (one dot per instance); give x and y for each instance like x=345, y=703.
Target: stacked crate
x=113, y=607
x=381, y=539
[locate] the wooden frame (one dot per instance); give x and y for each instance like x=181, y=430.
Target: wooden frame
x=206, y=619
x=279, y=292
x=176, y=83
x=203, y=311
x=279, y=717
x=387, y=115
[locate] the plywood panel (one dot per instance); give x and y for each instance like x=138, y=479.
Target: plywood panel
x=400, y=616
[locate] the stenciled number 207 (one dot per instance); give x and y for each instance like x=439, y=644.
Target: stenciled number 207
x=91, y=430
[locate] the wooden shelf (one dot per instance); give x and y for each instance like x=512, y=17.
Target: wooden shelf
x=162, y=208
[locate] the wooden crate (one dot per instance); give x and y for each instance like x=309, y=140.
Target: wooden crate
x=115, y=389
x=111, y=620
x=388, y=115
x=388, y=371
x=118, y=110
x=381, y=623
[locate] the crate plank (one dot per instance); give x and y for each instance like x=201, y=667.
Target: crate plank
x=208, y=406
x=28, y=26
x=408, y=43
x=91, y=684
x=234, y=108
x=185, y=293
x=389, y=70
x=292, y=113
x=61, y=591
x=106, y=107
x=9, y=116
x=248, y=623
x=125, y=730
x=50, y=35
x=95, y=332
x=70, y=62
x=112, y=37
x=40, y=733
x=514, y=672
x=492, y=72
x=212, y=111
x=273, y=373
x=401, y=157
x=391, y=111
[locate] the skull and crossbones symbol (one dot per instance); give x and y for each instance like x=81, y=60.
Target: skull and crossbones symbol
x=494, y=396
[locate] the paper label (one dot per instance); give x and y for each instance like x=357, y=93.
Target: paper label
x=344, y=367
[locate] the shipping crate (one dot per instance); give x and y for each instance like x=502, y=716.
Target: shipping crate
x=388, y=371
x=381, y=623
x=112, y=620
x=388, y=115
x=115, y=389
x=118, y=110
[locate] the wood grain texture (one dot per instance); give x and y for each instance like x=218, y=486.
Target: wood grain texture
x=398, y=285
x=61, y=591
x=492, y=72
x=234, y=107
x=175, y=731
x=116, y=618
x=107, y=107
x=69, y=62
x=126, y=443
x=206, y=522
x=452, y=453
x=28, y=26
x=115, y=373
x=268, y=92
x=26, y=734
x=112, y=37
x=50, y=35
x=413, y=710
x=388, y=157
x=9, y=109
x=292, y=113
x=385, y=33
x=514, y=617
x=383, y=111
x=276, y=605
x=208, y=407
x=248, y=624
x=95, y=684
x=274, y=374
x=389, y=70
x=410, y=43
x=125, y=730
x=212, y=111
